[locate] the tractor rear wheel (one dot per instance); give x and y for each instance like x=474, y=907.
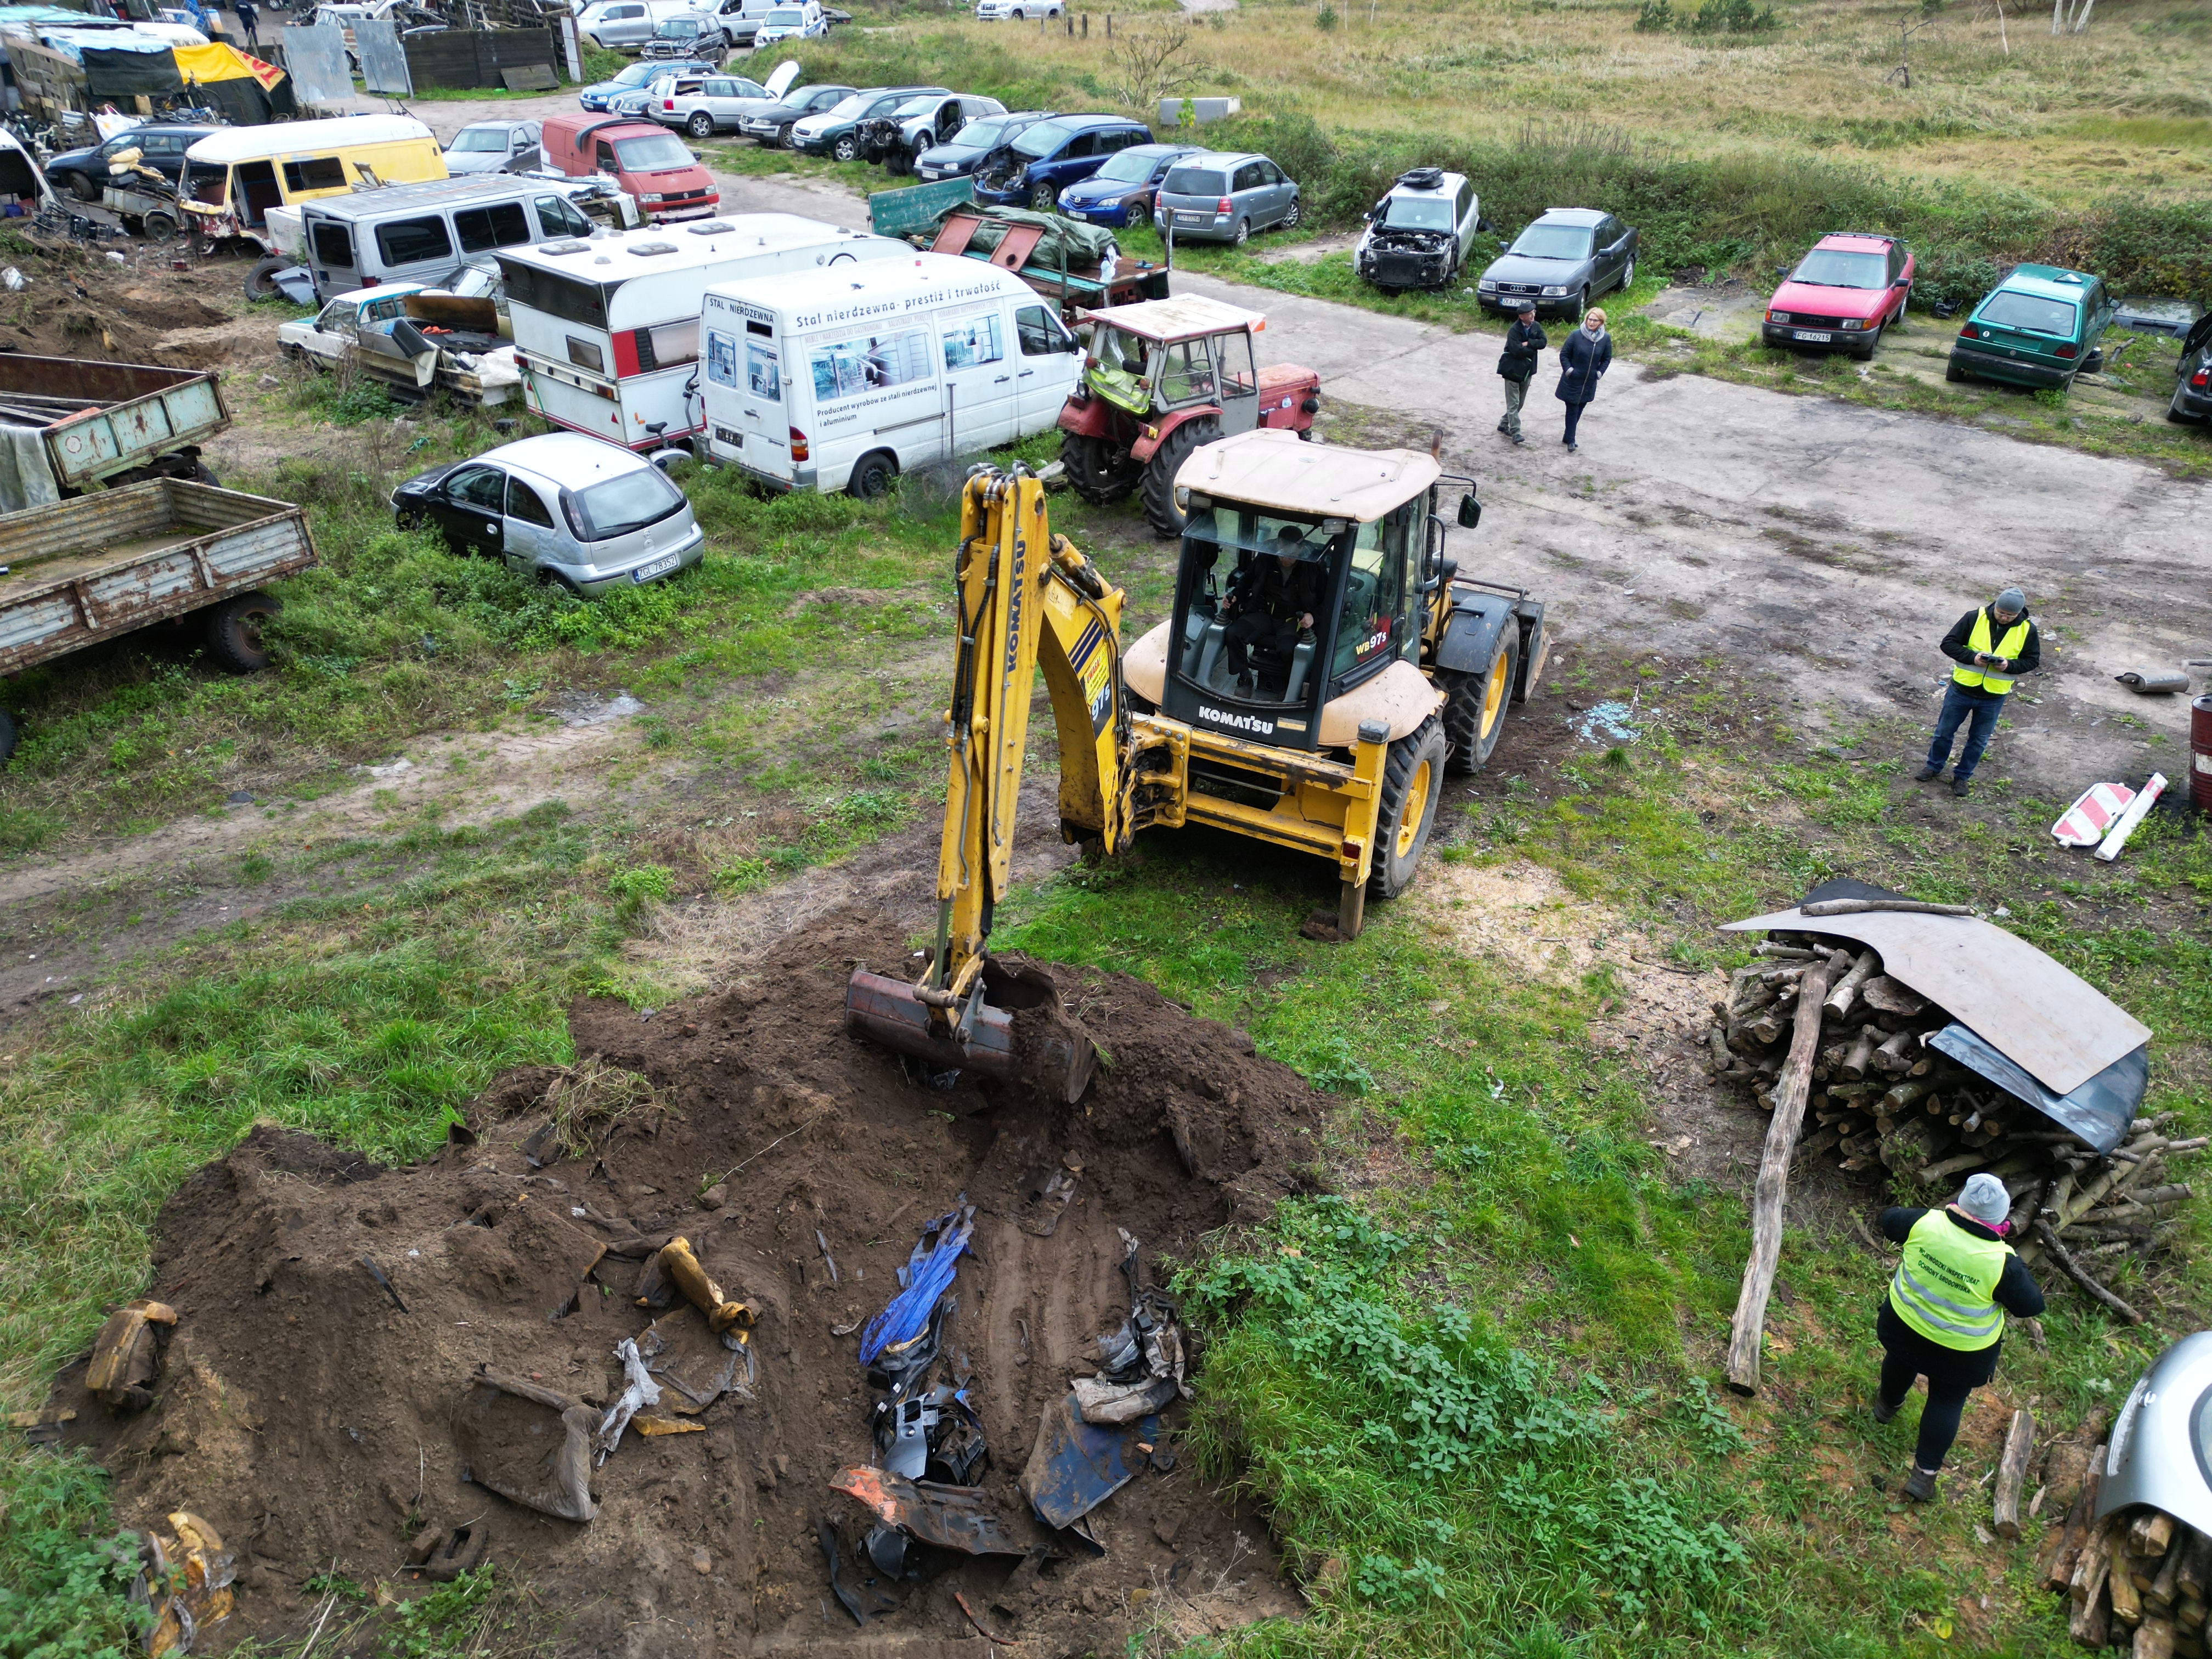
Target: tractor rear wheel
x=1160, y=509
x=1413, y=780
x=1476, y=711
x=1091, y=473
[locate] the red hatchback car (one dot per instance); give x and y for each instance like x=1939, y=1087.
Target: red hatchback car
x=1850, y=286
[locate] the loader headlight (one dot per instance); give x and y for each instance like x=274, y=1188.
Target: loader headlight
x=1182, y=498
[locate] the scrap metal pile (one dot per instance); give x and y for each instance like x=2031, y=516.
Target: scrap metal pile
x=1903, y=1084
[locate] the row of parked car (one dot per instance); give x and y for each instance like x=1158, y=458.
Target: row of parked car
x=703, y=30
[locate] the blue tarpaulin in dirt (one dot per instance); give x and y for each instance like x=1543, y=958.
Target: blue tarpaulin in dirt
x=928, y=1275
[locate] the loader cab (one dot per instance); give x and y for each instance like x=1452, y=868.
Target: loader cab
x=1359, y=578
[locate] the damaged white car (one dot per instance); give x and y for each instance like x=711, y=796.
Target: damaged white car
x=1418, y=235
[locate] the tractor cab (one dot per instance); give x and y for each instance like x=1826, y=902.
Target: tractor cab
x=1159, y=379
x=1305, y=582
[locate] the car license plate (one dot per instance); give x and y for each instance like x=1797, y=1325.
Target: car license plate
x=646, y=572
x=1185, y=218
x=1819, y=337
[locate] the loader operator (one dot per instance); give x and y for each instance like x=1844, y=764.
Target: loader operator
x=1943, y=1317
x=1272, y=604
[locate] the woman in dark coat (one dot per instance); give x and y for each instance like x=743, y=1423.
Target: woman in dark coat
x=1584, y=359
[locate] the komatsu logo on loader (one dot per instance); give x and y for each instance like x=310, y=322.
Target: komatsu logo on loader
x=1252, y=723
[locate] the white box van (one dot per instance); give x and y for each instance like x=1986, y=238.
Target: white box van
x=606, y=332
x=843, y=383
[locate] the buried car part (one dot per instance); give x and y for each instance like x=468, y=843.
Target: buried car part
x=1077, y=1465
x=442, y=1554
x=951, y=1517
x=184, y=1581
x=126, y=1355
x=528, y=1443
x=642, y=1391
x=929, y=1271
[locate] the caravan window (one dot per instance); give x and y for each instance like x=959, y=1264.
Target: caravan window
x=570, y=299
x=410, y=242
x=668, y=344
x=502, y=225
x=314, y=172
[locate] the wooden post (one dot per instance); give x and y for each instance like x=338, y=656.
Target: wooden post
x=1086, y=26
x=1790, y=1093
x=2012, y=1472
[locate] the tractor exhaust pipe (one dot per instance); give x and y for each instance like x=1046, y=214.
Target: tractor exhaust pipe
x=1011, y=1026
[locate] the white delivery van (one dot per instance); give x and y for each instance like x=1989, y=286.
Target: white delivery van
x=606, y=331
x=843, y=380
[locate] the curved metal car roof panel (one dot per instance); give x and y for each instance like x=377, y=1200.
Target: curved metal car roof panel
x=2161, y=1451
x=2057, y=1028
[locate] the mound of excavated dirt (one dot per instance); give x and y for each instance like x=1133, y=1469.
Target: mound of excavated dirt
x=310, y=1421
x=74, y=303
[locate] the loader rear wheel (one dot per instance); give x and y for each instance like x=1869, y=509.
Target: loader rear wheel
x=1160, y=509
x=1413, y=779
x=1476, y=711
x=1091, y=473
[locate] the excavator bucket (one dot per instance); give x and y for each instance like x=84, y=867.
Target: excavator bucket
x=1011, y=1026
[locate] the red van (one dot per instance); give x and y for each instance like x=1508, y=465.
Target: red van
x=648, y=161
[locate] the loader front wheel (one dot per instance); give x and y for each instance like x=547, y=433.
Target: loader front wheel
x=1476, y=711
x=1165, y=517
x=1413, y=780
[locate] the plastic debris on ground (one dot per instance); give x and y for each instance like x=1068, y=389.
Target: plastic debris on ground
x=1615, y=720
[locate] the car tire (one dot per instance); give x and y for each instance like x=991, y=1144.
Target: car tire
x=1954, y=375
x=258, y=285
x=82, y=186
x=1295, y=215
x=1628, y=276
x=1161, y=512
x=700, y=125
x=1582, y=302
x=1043, y=199
x=1413, y=780
x=409, y=519
x=1244, y=233
x=847, y=149
x=234, y=632
x=782, y=139
x=873, y=476
x=160, y=227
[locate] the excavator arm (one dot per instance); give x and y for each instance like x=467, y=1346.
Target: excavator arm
x=1027, y=599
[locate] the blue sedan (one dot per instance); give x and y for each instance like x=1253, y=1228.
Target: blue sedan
x=632, y=79
x=1121, y=192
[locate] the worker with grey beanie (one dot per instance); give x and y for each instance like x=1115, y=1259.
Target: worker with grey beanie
x=1993, y=645
x=1943, y=1317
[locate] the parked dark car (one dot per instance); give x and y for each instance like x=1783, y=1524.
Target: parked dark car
x=1565, y=259
x=1224, y=196
x=772, y=126
x=835, y=131
x=495, y=146
x=973, y=144
x=84, y=172
x=1045, y=159
x=1121, y=192
x=2192, y=385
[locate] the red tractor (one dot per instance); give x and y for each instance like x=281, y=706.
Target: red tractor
x=1159, y=379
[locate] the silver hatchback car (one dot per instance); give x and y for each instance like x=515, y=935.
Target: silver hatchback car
x=580, y=512
x=1225, y=198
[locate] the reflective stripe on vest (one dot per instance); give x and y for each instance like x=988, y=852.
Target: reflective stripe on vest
x=1943, y=1288
x=2016, y=642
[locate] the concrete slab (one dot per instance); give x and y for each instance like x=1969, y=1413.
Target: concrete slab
x=1727, y=311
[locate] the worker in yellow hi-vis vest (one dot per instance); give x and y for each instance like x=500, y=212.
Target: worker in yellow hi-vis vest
x=1993, y=645
x=1943, y=1317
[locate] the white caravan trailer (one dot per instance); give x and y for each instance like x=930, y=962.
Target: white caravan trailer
x=845, y=380
x=606, y=331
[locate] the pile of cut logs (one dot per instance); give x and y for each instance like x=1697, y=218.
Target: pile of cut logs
x=2138, y=1578
x=1882, y=1097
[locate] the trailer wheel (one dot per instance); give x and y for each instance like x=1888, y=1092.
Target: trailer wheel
x=258, y=283
x=160, y=227
x=234, y=632
x=204, y=474
x=7, y=730
x=1160, y=509
x=1413, y=780
x=1475, y=713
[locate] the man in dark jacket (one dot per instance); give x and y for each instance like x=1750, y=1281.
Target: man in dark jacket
x=1273, y=602
x=1516, y=367
x=1943, y=1318
x=1584, y=356
x=1993, y=645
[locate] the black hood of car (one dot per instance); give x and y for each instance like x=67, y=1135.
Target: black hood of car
x=423, y=484
x=955, y=154
x=1522, y=267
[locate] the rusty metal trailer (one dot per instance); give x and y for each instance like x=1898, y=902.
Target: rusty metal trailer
x=75, y=573
x=106, y=422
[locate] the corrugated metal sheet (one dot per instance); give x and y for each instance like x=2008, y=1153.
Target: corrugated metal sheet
x=2057, y=1027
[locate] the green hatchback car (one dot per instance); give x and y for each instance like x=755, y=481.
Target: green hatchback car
x=2039, y=328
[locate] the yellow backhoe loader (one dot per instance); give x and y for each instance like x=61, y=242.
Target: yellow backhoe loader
x=1327, y=727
